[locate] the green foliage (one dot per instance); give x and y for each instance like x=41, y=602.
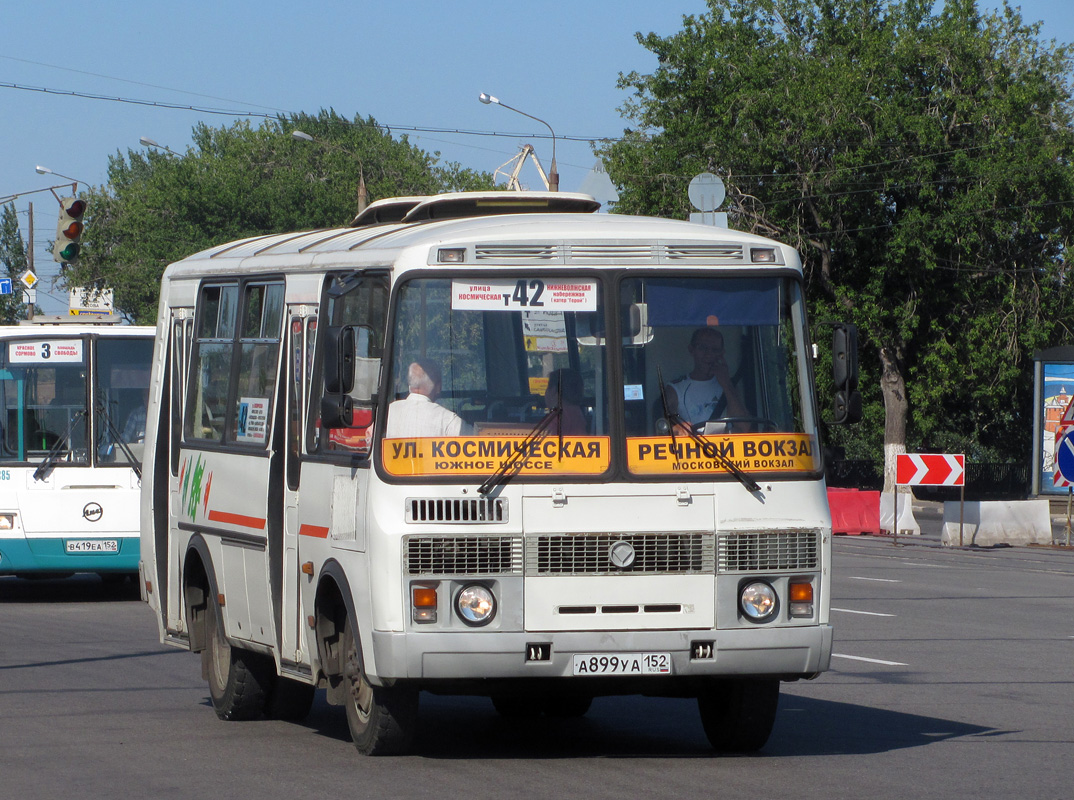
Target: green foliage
x=13, y=259
x=242, y=181
x=919, y=156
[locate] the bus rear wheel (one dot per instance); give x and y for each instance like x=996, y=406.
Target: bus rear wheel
x=738, y=715
x=238, y=679
x=382, y=720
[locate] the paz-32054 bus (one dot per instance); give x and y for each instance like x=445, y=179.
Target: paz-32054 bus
x=452, y=448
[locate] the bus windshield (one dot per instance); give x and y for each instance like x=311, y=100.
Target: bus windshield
x=715, y=366
x=482, y=370
x=44, y=394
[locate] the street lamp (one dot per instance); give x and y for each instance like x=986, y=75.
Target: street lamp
x=46, y=171
x=145, y=141
x=553, y=173
x=363, y=195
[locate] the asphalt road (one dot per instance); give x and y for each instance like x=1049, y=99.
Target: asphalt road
x=951, y=679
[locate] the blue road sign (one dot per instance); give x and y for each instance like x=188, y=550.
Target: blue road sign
x=1064, y=456
x=5, y=286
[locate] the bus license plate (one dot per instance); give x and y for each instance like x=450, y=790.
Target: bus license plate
x=622, y=664
x=92, y=546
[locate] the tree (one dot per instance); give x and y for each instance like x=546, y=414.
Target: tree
x=919, y=160
x=241, y=181
x=13, y=259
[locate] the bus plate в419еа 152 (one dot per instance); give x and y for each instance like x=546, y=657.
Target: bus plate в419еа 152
x=92, y=546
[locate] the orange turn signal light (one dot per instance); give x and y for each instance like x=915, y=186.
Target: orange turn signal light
x=801, y=592
x=424, y=597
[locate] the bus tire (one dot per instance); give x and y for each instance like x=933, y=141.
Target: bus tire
x=738, y=715
x=290, y=700
x=237, y=678
x=382, y=720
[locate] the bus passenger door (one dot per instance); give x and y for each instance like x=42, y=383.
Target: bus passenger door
x=328, y=467
x=181, y=328
x=301, y=335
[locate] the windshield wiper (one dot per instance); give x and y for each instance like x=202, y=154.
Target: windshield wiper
x=60, y=446
x=117, y=437
x=710, y=449
x=514, y=463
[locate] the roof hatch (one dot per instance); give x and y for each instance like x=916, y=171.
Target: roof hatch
x=473, y=204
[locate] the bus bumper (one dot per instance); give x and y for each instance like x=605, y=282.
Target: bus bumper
x=29, y=556
x=784, y=652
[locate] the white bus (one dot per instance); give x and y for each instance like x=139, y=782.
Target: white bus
x=430, y=452
x=73, y=403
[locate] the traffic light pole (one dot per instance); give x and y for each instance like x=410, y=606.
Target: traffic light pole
x=30, y=263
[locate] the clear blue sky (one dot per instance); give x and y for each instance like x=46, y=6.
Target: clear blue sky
x=414, y=64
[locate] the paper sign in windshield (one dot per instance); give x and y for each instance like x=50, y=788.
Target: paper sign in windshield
x=768, y=452
x=52, y=351
x=524, y=294
x=481, y=456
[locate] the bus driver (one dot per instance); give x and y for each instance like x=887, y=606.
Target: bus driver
x=418, y=414
x=707, y=392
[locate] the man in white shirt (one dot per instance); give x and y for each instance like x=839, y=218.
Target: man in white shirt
x=707, y=390
x=418, y=414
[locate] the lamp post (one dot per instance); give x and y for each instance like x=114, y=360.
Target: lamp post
x=145, y=141
x=553, y=173
x=363, y=195
x=46, y=171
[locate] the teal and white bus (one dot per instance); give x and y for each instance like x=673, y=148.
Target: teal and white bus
x=72, y=426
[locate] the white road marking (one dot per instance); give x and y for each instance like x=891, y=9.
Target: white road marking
x=878, y=580
x=870, y=613
x=871, y=660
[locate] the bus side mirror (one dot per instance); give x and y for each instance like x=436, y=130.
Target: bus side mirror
x=350, y=374
x=845, y=374
x=339, y=360
x=337, y=411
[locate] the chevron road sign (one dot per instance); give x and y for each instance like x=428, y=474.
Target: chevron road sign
x=926, y=469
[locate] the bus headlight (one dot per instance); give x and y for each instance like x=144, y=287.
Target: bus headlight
x=475, y=605
x=758, y=601
x=7, y=522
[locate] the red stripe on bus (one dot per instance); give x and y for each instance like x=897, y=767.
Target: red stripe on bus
x=257, y=523
x=313, y=530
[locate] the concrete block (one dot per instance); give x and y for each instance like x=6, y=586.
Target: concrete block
x=904, y=503
x=990, y=522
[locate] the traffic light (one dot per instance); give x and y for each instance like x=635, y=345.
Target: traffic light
x=69, y=230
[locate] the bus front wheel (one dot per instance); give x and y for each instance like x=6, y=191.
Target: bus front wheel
x=238, y=679
x=382, y=720
x=738, y=715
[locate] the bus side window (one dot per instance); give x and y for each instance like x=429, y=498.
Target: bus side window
x=210, y=362
x=296, y=396
x=259, y=347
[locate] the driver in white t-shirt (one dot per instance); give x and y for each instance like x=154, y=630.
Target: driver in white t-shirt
x=418, y=414
x=707, y=392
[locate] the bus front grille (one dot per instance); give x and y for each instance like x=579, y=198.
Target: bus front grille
x=621, y=554
x=769, y=552
x=463, y=555
x=456, y=509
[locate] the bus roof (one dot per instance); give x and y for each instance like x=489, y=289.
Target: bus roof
x=53, y=329
x=498, y=235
